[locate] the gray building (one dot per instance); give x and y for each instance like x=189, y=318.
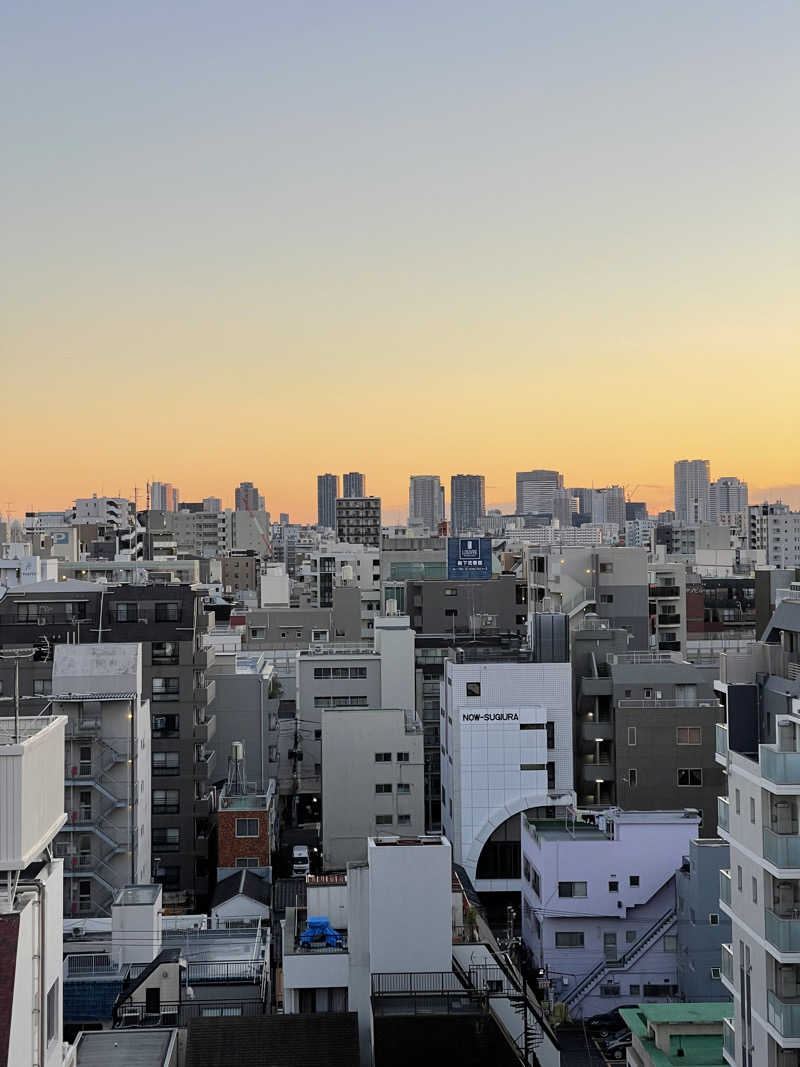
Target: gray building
x=246, y=709
x=299, y=628
x=535, y=491
x=425, y=498
x=702, y=927
x=353, y=484
x=327, y=492
x=467, y=502
x=372, y=780
x=169, y=622
x=248, y=498
x=691, y=490
x=438, y=606
x=358, y=520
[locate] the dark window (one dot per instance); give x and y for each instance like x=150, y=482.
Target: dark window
x=473, y=689
x=613, y=886
x=247, y=827
x=166, y=689
x=690, y=776
x=383, y=757
x=127, y=612
x=572, y=889
x=634, y=879
x=551, y=735
x=402, y=757
x=383, y=787
x=167, y=611
x=569, y=939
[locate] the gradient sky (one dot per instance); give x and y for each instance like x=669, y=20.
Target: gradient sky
x=263, y=241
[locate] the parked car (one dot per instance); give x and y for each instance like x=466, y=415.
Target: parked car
x=610, y=1022
x=616, y=1046
x=300, y=860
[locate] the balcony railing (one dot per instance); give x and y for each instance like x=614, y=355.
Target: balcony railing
x=783, y=768
x=783, y=1016
x=725, y=887
x=664, y=590
x=723, y=809
x=782, y=931
x=726, y=963
x=721, y=731
x=177, y=1013
x=782, y=849
x=669, y=620
x=729, y=1039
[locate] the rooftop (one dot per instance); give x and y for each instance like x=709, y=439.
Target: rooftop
x=118, y=1048
x=138, y=894
x=596, y=825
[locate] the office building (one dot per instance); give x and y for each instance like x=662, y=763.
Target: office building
x=691, y=491
x=467, y=502
x=358, y=520
x=598, y=903
x=461, y=607
x=212, y=503
x=726, y=497
x=163, y=496
x=425, y=499
x=535, y=491
x=372, y=780
x=353, y=484
x=327, y=493
x=635, y=511
x=608, y=505
x=248, y=498
x=31, y=881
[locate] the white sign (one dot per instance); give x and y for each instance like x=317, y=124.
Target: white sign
x=489, y=716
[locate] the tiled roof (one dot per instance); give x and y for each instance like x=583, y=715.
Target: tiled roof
x=327, y=1039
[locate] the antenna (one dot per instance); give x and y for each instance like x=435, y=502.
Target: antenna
x=237, y=779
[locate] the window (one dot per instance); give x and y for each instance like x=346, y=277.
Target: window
x=613, y=886
x=648, y=693
x=536, y=882
x=42, y=687
x=403, y=788
x=630, y=936
x=473, y=689
x=165, y=652
x=166, y=763
x=634, y=990
x=531, y=766
x=689, y=735
x=383, y=787
x=634, y=880
x=403, y=820
x=713, y=919
x=738, y=802
x=127, y=613
x=85, y=759
x=166, y=839
x=451, y=592
x=653, y=989
x=551, y=775
x=248, y=861
x=572, y=889
x=257, y=633
x=690, y=776
x=551, y=734
x=569, y=939
x=402, y=757
x=166, y=725
x=383, y=820
x=715, y=972
x=752, y=810
x=383, y=757
x=247, y=827
x=606, y=568
x=670, y=942
x=319, y=636
x=166, y=801
x=606, y=598
x=755, y=891
x=166, y=689
x=633, y=777
x=52, y=1012
x=450, y=613
x=739, y=878
x=167, y=611
x=526, y=869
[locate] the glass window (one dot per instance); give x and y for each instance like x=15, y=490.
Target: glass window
x=247, y=827
x=166, y=763
x=166, y=801
x=167, y=611
x=634, y=880
x=572, y=889
x=403, y=820
x=689, y=735
x=403, y=787
x=631, y=735
x=383, y=757
x=166, y=689
x=473, y=689
x=402, y=757
x=633, y=777
x=383, y=820
x=613, y=886
x=127, y=612
x=569, y=939
x=383, y=787
x=690, y=776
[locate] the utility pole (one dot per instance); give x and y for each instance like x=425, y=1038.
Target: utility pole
x=17, y=654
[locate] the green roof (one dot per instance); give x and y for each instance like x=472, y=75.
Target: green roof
x=696, y=1050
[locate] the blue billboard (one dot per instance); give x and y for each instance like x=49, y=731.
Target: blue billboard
x=469, y=557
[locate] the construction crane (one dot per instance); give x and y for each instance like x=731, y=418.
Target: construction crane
x=259, y=527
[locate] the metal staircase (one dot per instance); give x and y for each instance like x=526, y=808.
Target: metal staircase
x=636, y=950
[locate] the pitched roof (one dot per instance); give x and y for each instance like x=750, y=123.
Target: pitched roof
x=289, y=893
x=9, y=935
x=125, y=1048
x=328, y=1039
x=244, y=884
x=166, y=955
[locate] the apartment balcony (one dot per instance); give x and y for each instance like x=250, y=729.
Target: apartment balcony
x=596, y=687
x=726, y=963
x=782, y=849
x=592, y=730
x=721, y=731
x=723, y=813
x=204, y=694
x=202, y=805
x=729, y=1040
x=89, y=728
x=782, y=931
x=204, y=658
x=784, y=1015
x=597, y=771
x=725, y=887
x=782, y=768
x=204, y=731
x=669, y=646
x=204, y=766
x=659, y=591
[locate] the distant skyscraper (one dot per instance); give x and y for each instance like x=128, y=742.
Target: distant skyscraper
x=327, y=492
x=425, y=503
x=584, y=498
x=467, y=501
x=608, y=505
x=163, y=497
x=726, y=496
x=247, y=496
x=353, y=484
x=691, y=490
x=535, y=491
x=212, y=504
x=284, y=518
x=635, y=510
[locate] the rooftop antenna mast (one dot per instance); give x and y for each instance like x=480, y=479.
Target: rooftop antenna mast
x=237, y=779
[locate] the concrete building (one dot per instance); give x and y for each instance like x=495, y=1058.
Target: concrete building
x=163, y=496
x=667, y=593
x=114, y=511
x=353, y=484
x=598, y=903
x=212, y=504
x=248, y=498
x=358, y=520
x=467, y=502
x=701, y=927
x=31, y=881
x=608, y=505
x=463, y=607
x=726, y=496
x=269, y=629
x=664, y=1034
x=246, y=710
x=372, y=780
x=322, y=570
x=425, y=496
x=506, y=747
x=691, y=491
x=403, y=558
x=535, y=491
x=107, y=773
x=327, y=493
x=240, y=571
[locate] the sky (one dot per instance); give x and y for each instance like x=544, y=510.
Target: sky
x=263, y=241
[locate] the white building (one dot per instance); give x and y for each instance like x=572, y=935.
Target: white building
x=19, y=567
x=726, y=497
x=598, y=903
x=691, y=490
x=506, y=732
x=31, y=814
x=114, y=511
x=107, y=773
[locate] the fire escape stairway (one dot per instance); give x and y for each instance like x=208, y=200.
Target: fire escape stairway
x=506, y=1002
x=648, y=938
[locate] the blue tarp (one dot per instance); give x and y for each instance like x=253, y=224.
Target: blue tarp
x=318, y=930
